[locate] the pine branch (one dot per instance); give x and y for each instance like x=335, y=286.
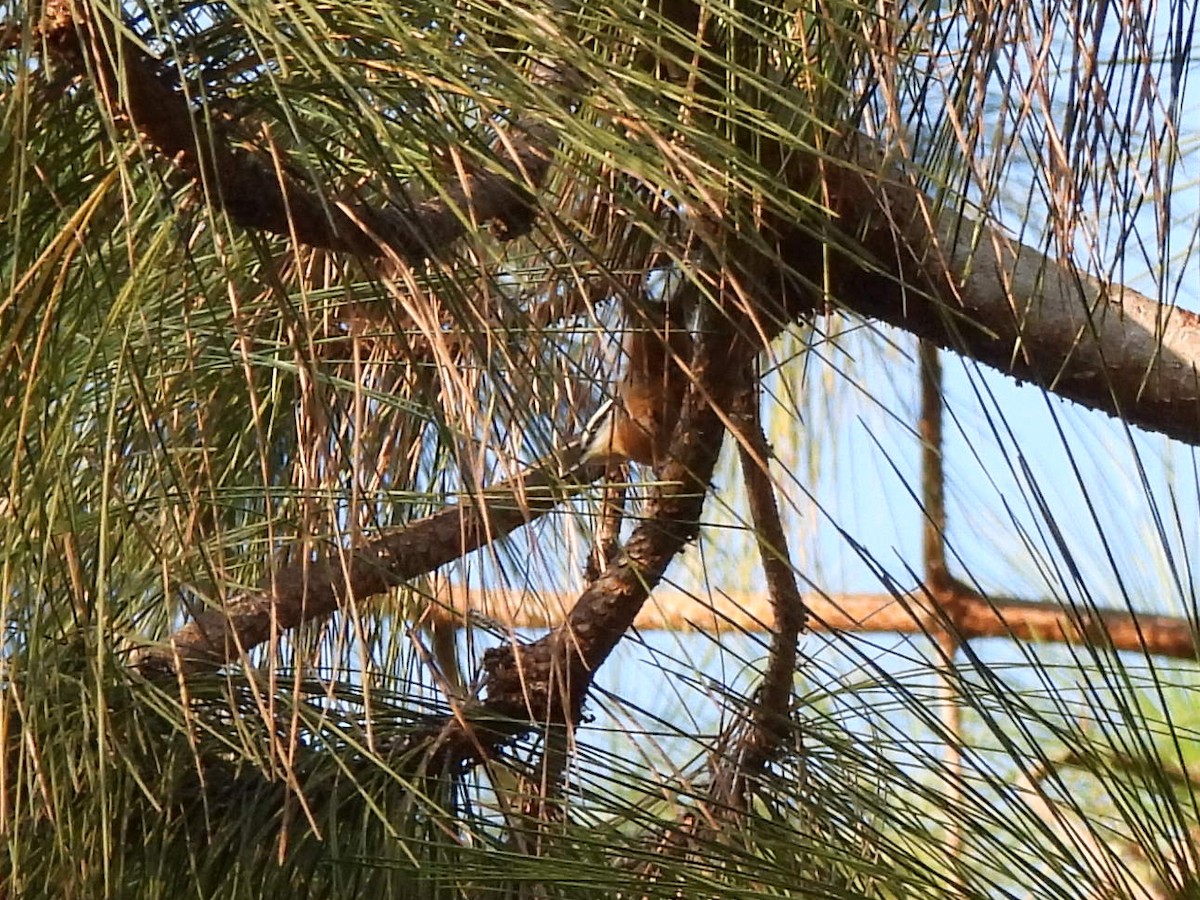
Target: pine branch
x=970, y=614
x=889, y=252
x=762, y=739
x=259, y=194
x=309, y=589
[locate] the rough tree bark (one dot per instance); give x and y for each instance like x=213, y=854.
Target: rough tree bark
x=968, y=287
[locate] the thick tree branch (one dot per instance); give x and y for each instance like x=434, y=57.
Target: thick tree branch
x=966, y=286
x=760, y=740
x=257, y=194
x=309, y=589
x=970, y=615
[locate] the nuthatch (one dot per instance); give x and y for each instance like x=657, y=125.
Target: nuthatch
x=638, y=424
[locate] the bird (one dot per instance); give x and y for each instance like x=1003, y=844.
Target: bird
x=637, y=425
